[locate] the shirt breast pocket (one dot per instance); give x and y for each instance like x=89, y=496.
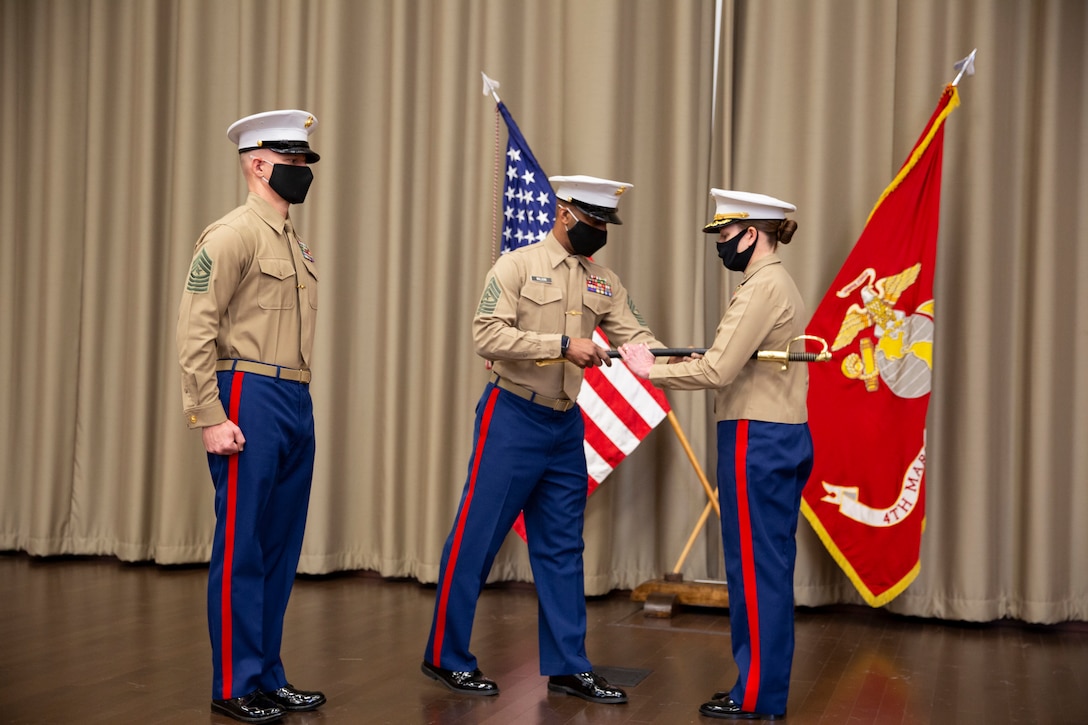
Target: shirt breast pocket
x=598, y=305
x=276, y=287
x=541, y=308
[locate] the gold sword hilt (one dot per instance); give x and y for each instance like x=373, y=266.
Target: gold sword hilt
x=787, y=356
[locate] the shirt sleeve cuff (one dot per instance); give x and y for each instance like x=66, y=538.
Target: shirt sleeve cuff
x=204, y=416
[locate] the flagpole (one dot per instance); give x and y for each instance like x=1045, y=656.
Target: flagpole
x=694, y=535
x=712, y=502
x=490, y=89
x=967, y=65
x=694, y=461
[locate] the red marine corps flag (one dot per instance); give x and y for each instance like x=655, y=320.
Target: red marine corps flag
x=867, y=408
x=619, y=408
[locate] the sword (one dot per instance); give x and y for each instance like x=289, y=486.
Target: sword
x=780, y=356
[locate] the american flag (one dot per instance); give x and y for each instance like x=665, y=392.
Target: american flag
x=619, y=408
x=528, y=202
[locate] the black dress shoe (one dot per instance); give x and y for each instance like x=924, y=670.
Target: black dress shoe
x=724, y=707
x=254, y=707
x=588, y=686
x=467, y=683
x=291, y=698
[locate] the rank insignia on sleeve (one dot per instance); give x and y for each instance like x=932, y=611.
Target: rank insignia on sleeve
x=598, y=285
x=306, y=254
x=490, y=299
x=200, y=274
x=634, y=311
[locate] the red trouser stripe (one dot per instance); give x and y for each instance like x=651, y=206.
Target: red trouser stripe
x=228, y=543
x=455, y=548
x=748, y=565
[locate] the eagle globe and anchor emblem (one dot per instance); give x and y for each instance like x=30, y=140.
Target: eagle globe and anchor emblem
x=902, y=357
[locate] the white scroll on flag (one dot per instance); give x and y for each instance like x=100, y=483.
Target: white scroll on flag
x=619, y=408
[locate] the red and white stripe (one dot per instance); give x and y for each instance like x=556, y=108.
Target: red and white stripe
x=620, y=409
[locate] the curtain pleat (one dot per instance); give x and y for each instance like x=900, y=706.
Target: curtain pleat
x=116, y=111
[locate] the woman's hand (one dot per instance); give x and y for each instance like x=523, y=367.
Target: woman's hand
x=639, y=358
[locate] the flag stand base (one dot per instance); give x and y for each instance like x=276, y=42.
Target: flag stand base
x=663, y=597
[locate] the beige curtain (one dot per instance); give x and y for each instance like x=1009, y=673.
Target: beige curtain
x=115, y=114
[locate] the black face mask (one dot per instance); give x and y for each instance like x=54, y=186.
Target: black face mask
x=731, y=258
x=291, y=182
x=586, y=240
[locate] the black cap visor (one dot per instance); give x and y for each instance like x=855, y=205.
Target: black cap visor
x=287, y=147
x=600, y=213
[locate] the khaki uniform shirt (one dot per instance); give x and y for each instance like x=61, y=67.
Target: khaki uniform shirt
x=765, y=313
x=251, y=295
x=533, y=297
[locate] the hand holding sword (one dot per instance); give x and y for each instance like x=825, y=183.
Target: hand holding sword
x=638, y=358
x=585, y=353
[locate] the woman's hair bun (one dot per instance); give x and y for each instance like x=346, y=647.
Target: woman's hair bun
x=786, y=228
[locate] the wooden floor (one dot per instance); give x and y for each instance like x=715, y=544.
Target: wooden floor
x=98, y=641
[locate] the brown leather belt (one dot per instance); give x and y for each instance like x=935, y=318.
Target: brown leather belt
x=560, y=404
x=259, y=368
